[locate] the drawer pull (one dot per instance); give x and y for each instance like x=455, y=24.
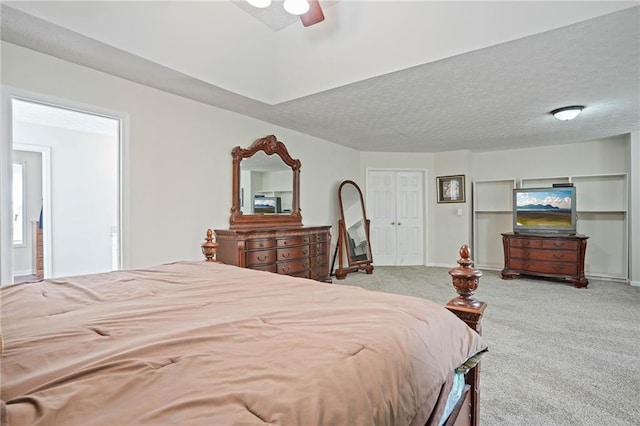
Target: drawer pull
x=285, y=269
x=286, y=254
x=558, y=256
x=557, y=268
x=524, y=253
x=558, y=244
x=305, y=251
x=261, y=244
x=262, y=259
x=526, y=243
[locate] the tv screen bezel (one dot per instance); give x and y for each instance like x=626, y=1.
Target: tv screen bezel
x=555, y=230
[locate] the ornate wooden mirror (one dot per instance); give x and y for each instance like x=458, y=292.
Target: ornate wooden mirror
x=353, y=232
x=266, y=187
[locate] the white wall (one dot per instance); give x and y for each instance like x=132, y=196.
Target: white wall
x=451, y=230
x=23, y=262
x=177, y=166
x=586, y=158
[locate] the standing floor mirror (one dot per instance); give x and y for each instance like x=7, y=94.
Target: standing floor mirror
x=353, y=250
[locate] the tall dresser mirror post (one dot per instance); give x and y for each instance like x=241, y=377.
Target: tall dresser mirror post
x=354, y=248
x=265, y=227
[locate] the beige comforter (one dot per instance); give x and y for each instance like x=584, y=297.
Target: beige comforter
x=209, y=344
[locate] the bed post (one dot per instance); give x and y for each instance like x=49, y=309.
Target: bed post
x=210, y=247
x=470, y=310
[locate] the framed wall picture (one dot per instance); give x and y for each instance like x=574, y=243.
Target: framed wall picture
x=450, y=189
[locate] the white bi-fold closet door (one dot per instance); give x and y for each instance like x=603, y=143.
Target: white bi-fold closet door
x=395, y=205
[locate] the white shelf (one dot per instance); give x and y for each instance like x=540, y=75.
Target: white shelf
x=602, y=202
x=492, y=215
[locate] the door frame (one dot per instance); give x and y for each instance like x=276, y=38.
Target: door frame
x=8, y=93
x=45, y=151
x=425, y=204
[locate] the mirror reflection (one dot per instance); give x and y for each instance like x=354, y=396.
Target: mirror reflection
x=353, y=232
x=354, y=221
x=266, y=185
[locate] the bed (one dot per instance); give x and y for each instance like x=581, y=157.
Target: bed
x=207, y=343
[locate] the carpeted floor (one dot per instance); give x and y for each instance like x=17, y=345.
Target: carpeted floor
x=558, y=355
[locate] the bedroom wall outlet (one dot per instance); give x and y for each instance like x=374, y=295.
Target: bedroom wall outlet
x=459, y=212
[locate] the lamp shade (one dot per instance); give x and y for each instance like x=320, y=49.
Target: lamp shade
x=296, y=7
x=567, y=113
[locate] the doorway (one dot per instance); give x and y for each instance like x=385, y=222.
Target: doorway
x=395, y=204
x=72, y=214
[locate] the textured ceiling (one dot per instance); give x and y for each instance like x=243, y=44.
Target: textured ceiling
x=492, y=98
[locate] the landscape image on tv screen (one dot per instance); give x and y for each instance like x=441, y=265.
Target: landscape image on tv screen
x=544, y=209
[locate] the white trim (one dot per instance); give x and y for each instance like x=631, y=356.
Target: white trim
x=6, y=159
x=24, y=203
x=6, y=147
x=635, y=283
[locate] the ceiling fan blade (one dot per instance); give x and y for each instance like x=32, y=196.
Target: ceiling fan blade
x=313, y=15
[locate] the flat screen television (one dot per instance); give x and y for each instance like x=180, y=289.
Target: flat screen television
x=544, y=210
x=269, y=205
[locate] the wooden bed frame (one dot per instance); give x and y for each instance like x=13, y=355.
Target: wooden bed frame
x=470, y=310
x=466, y=307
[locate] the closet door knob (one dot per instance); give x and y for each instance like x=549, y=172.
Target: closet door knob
x=393, y=223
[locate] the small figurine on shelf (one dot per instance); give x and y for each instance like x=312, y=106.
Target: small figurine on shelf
x=209, y=247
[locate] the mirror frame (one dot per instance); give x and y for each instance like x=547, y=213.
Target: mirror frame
x=352, y=266
x=269, y=145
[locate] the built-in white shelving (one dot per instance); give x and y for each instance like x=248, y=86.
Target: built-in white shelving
x=602, y=207
x=492, y=215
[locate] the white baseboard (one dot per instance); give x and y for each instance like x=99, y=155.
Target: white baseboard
x=21, y=273
x=635, y=283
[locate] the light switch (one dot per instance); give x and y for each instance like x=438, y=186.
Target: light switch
x=459, y=212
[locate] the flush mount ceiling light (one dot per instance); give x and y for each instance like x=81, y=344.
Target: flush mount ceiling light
x=567, y=113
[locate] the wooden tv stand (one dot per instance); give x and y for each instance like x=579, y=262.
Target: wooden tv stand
x=548, y=255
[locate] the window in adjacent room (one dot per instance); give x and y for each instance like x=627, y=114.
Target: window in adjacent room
x=18, y=205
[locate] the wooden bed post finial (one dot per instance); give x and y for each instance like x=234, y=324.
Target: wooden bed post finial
x=209, y=247
x=465, y=280
x=470, y=310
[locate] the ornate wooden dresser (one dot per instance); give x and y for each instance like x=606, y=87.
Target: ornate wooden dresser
x=301, y=251
x=552, y=256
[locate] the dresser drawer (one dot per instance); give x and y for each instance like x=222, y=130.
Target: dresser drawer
x=538, y=254
x=560, y=245
x=544, y=267
x=258, y=244
x=290, y=253
x=525, y=242
x=317, y=238
x=294, y=267
x=268, y=268
x=318, y=260
x=318, y=248
x=260, y=257
x=293, y=241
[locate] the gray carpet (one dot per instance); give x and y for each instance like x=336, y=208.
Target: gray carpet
x=558, y=355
